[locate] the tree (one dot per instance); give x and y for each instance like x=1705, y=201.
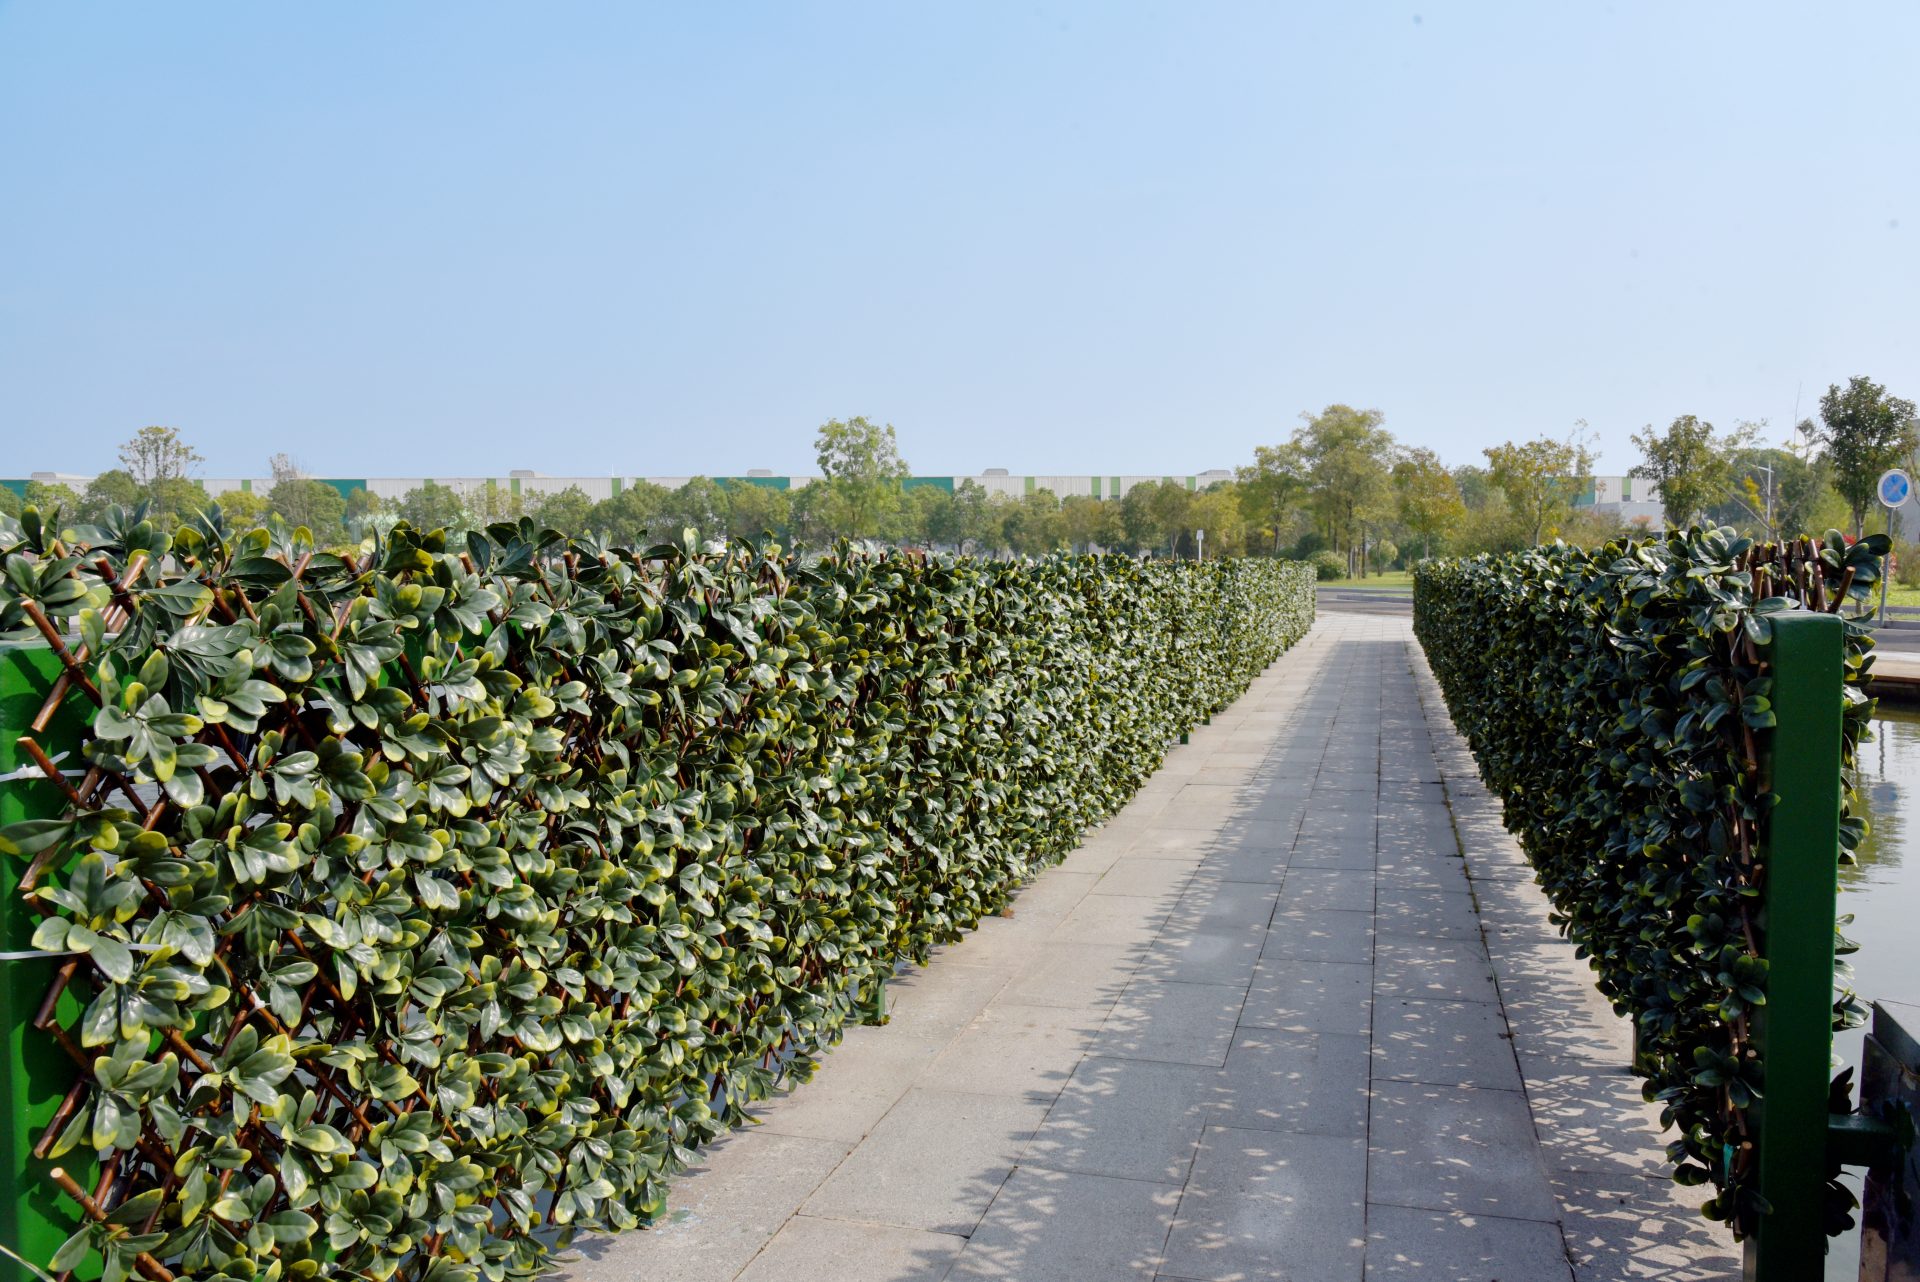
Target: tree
x=243, y=509
x=1030, y=524
x=302, y=501
x=50, y=496
x=10, y=501
x=1429, y=498
x=115, y=488
x=627, y=519
x=1271, y=489
x=1154, y=514
x=1218, y=511
x=175, y=498
x=1345, y=453
x=757, y=510
x=1690, y=465
x=1865, y=432
x=433, y=506
x=1087, y=523
x=362, y=506
x=965, y=522
x=1540, y=480
x=570, y=511
x=700, y=505
x=862, y=464
x=158, y=454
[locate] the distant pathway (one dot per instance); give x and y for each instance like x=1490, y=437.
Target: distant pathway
x=1268, y=1023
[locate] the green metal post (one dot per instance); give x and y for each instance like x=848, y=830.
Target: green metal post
x=1794, y=1030
x=34, y=1074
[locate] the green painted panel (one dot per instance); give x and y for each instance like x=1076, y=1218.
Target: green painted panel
x=617, y=483
x=34, y=1074
x=764, y=482
x=1113, y=487
x=1096, y=487
x=1193, y=482
x=1029, y=484
x=938, y=483
x=514, y=483
x=18, y=487
x=345, y=485
x=246, y=485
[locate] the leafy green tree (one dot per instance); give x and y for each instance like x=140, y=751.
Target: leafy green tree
x=627, y=519
x=1540, y=479
x=965, y=521
x=242, y=508
x=1429, y=499
x=921, y=511
x=1865, y=432
x=10, y=503
x=433, y=506
x=1273, y=488
x=49, y=495
x=1220, y=513
x=570, y=511
x=757, y=510
x=1030, y=524
x=301, y=501
x=114, y=488
x=175, y=498
x=362, y=504
x=700, y=505
x=158, y=454
x=863, y=469
x=1345, y=452
x=1689, y=463
x=1087, y=523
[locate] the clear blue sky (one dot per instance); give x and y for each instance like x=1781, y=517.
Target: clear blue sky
x=421, y=238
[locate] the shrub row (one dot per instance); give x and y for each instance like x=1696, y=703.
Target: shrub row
x=485, y=882
x=1613, y=699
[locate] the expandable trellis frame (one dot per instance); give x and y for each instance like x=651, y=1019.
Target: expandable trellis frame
x=1669, y=724
x=416, y=910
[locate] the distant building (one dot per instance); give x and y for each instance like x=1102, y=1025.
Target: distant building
x=995, y=481
x=1628, y=498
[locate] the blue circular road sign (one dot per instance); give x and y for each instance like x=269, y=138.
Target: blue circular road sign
x=1896, y=487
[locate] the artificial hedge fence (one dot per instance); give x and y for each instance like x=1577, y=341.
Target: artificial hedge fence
x=420, y=909
x=1611, y=698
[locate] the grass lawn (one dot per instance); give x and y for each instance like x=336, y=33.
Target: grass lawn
x=1404, y=579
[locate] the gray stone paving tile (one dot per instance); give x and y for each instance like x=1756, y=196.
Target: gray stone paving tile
x=1443, y=1043
x=1211, y=900
x=1055, y=892
x=1453, y=1148
x=1267, y=1204
x=1171, y=1022
x=1171, y=843
x=1149, y=878
x=1119, y=920
x=1446, y=1246
x=934, y=1162
x=1313, y=1083
x=1310, y=997
x=1328, y=890
x=1024, y=1051
x=719, y=1214
x=1127, y=1118
x=1348, y=853
x=1447, y=969
x=1060, y=1226
x=811, y=1249
x=853, y=1088
x=1591, y=1117
x=1319, y=936
x=1633, y=1227
x=1077, y=976
x=926, y=1001
x=1204, y=953
x=1246, y=864
x=1444, y=873
x=1400, y=909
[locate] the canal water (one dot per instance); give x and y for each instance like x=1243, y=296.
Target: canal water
x=1882, y=891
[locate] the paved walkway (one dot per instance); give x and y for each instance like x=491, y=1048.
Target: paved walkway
x=1268, y=1023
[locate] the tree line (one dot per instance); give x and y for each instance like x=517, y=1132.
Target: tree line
x=1340, y=491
